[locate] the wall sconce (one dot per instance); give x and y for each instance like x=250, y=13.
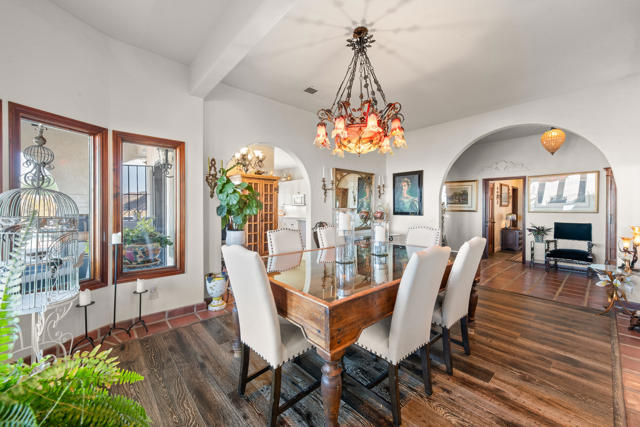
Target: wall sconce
x=211, y=177
x=380, y=186
x=326, y=188
x=628, y=247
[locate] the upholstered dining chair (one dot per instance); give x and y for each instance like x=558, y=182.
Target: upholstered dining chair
x=423, y=236
x=275, y=339
x=453, y=304
x=408, y=329
x=284, y=240
x=326, y=236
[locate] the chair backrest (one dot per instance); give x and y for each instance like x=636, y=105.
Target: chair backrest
x=456, y=300
x=572, y=231
x=259, y=324
x=326, y=236
x=284, y=240
x=411, y=321
x=423, y=236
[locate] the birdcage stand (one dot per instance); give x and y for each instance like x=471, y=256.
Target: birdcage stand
x=86, y=330
x=115, y=297
x=140, y=320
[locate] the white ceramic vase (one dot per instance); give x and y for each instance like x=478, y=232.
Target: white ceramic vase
x=235, y=237
x=216, y=285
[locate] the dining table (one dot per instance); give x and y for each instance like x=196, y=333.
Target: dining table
x=332, y=302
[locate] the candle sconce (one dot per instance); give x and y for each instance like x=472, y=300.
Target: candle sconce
x=211, y=178
x=326, y=188
x=628, y=248
x=380, y=188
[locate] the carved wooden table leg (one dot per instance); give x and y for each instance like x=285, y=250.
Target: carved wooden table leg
x=236, y=344
x=331, y=386
x=473, y=302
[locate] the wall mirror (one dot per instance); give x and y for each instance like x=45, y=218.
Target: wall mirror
x=354, y=189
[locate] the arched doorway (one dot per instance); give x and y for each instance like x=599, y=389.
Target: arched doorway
x=498, y=172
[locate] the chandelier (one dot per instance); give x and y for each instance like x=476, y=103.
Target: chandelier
x=552, y=140
x=248, y=159
x=367, y=125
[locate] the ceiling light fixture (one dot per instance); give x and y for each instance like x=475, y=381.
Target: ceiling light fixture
x=552, y=140
x=368, y=126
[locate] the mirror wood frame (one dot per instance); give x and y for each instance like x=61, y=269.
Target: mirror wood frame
x=339, y=174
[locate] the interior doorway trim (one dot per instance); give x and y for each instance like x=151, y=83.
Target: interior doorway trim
x=485, y=212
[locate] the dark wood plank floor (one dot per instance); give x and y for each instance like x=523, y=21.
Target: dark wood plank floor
x=532, y=362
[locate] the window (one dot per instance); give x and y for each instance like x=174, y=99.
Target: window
x=79, y=171
x=149, y=205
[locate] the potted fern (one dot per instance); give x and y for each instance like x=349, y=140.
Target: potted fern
x=539, y=232
x=72, y=390
x=237, y=203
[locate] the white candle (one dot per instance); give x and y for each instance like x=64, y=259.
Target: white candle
x=140, y=285
x=344, y=221
x=116, y=238
x=324, y=172
x=378, y=233
x=85, y=297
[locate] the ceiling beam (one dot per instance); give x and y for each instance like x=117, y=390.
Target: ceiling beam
x=242, y=26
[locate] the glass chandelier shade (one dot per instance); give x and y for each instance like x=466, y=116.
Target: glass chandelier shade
x=552, y=140
x=363, y=125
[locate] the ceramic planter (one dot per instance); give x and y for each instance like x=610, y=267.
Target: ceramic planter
x=216, y=285
x=235, y=237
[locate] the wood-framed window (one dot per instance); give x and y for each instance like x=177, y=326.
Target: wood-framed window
x=149, y=205
x=80, y=170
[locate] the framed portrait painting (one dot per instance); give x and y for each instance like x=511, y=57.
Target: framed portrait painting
x=461, y=196
x=407, y=193
x=504, y=195
x=567, y=192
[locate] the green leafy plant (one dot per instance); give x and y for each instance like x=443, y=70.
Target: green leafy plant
x=237, y=201
x=539, y=232
x=72, y=390
x=144, y=233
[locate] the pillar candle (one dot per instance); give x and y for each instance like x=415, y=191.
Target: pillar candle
x=85, y=297
x=344, y=221
x=379, y=234
x=140, y=285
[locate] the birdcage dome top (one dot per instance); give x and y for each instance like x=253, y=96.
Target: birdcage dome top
x=21, y=202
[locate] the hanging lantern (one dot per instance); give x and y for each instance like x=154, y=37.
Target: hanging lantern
x=552, y=140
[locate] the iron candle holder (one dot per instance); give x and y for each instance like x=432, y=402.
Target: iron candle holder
x=140, y=320
x=86, y=332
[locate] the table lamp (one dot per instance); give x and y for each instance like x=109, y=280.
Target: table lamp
x=509, y=219
x=628, y=247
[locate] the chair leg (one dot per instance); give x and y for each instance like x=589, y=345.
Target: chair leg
x=426, y=368
x=244, y=368
x=394, y=391
x=274, y=405
x=464, y=328
x=446, y=350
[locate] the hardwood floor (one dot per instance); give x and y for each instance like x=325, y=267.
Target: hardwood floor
x=569, y=287
x=532, y=362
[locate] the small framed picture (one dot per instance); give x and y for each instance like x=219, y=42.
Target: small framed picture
x=504, y=195
x=461, y=196
x=298, y=199
x=407, y=193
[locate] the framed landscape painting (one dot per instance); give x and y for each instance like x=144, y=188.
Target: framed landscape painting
x=407, y=193
x=504, y=195
x=461, y=196
x=569, y=192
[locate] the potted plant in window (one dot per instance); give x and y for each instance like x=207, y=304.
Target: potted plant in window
x=143, y=244
x=237, y=203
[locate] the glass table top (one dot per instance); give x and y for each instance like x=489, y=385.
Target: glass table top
x=317, y=273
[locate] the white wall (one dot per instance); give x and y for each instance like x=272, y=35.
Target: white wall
x=234, y=118
x=54, y=62
x=526, y=157
x=605, y=115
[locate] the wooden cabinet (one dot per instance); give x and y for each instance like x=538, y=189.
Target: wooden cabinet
x=511, y=239
x=267, y=219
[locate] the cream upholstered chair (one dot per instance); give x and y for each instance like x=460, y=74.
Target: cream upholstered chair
x=408, y=329
x=284, y=240
x=423, y=236
x=275, y=339
x=326, y=236
x=453, y=304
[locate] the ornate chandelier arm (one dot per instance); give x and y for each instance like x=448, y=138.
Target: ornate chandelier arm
x=371, y=72
x=343, y=87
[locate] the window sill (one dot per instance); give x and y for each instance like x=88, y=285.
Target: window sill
x=130, y=276
x=92, y=284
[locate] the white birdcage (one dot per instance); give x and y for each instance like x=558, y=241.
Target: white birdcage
x=52, y=256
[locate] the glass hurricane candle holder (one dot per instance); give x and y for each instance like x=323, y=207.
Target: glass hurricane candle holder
x=345, y=219
x=345, y=279
x=380, y=237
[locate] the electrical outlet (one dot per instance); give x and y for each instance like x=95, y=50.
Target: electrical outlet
x=153, y=293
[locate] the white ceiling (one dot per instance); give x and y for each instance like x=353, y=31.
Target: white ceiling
x=175, y=29
x=446, y=59
x=441, y=59
x=514, y=132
